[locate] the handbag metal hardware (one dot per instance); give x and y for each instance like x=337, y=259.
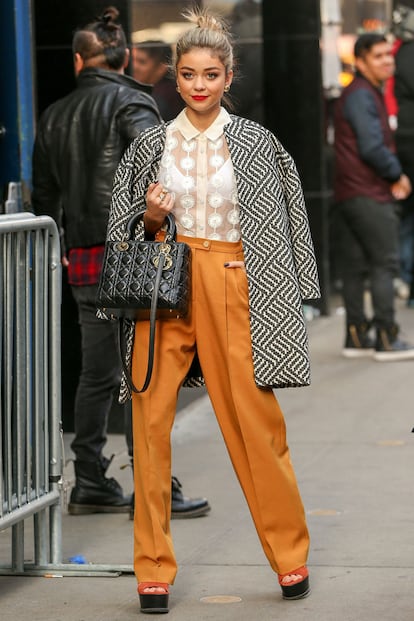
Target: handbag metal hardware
x=165, y=250
x=122, y=246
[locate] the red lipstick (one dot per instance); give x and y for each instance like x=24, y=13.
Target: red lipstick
x=199, y=97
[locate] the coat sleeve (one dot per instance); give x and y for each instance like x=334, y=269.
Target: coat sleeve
x=121, y=201
x=300, y=234
x=129, y=189
x=46, y=195
x=122, y=207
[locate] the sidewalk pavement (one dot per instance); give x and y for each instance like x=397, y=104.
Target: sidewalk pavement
x=353, y=451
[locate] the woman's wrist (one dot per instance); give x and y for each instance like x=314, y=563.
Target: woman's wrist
x=151, y=226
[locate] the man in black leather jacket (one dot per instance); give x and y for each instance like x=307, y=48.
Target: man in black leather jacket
x=80, y=141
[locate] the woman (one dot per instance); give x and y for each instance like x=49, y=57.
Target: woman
x=238, y=203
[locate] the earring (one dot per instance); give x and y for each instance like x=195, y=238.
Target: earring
x=177, y=88
x=227, y=88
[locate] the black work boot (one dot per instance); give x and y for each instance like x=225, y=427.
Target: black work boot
x=94, y=492
x=389, y=347
x=184, y=507
x=358, y=343
x=181, y=506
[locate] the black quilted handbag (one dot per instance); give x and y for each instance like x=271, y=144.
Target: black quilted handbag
x=145, y=280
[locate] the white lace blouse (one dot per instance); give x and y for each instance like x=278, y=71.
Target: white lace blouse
x=196, y=167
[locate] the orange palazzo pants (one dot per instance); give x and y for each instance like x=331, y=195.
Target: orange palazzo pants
x=249, y=417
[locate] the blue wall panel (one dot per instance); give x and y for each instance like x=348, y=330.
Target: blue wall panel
x=16, y=87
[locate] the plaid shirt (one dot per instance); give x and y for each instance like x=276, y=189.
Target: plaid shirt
x=85, y=265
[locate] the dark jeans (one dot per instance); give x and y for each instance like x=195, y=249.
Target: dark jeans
x=99, y=379
x=368, y=234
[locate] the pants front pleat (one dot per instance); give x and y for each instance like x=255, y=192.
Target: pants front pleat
x=250, y=418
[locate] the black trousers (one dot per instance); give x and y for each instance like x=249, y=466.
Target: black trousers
x=99, y=379
x=368, y=238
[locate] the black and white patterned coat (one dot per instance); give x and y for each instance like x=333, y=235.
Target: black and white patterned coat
x=278, y=250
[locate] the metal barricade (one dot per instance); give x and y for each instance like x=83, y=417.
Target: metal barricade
x=30, y=443
x=31, y=455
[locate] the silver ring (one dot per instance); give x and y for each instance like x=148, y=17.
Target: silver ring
x=162, y=196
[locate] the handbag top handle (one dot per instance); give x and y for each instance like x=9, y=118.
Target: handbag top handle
x=171, y=232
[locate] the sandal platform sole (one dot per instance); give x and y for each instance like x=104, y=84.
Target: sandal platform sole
x=299, y=590
x=154, y=603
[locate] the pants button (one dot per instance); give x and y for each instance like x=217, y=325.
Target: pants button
x=206, y=244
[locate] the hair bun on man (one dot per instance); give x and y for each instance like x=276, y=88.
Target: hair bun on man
x=102, y=42
x=110, y=14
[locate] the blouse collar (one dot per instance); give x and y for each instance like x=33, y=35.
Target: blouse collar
x=213, y=132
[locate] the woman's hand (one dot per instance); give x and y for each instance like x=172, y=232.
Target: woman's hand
x=233, y=264
x=159, y=204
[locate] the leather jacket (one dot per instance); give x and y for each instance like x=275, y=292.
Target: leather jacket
x=79, y=143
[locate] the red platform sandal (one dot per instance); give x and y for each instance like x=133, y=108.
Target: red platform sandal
x=295, y=584
x=150, y=598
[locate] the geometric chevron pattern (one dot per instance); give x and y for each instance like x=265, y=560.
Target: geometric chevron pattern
x=278, y=250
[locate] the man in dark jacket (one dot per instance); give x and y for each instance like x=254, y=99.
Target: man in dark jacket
x=368, y=179
x=404, y=135
x=80, y=141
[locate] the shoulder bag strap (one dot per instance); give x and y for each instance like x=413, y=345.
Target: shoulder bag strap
x=153, y=316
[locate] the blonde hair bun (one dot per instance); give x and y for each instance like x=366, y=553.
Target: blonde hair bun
x=202, y=18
